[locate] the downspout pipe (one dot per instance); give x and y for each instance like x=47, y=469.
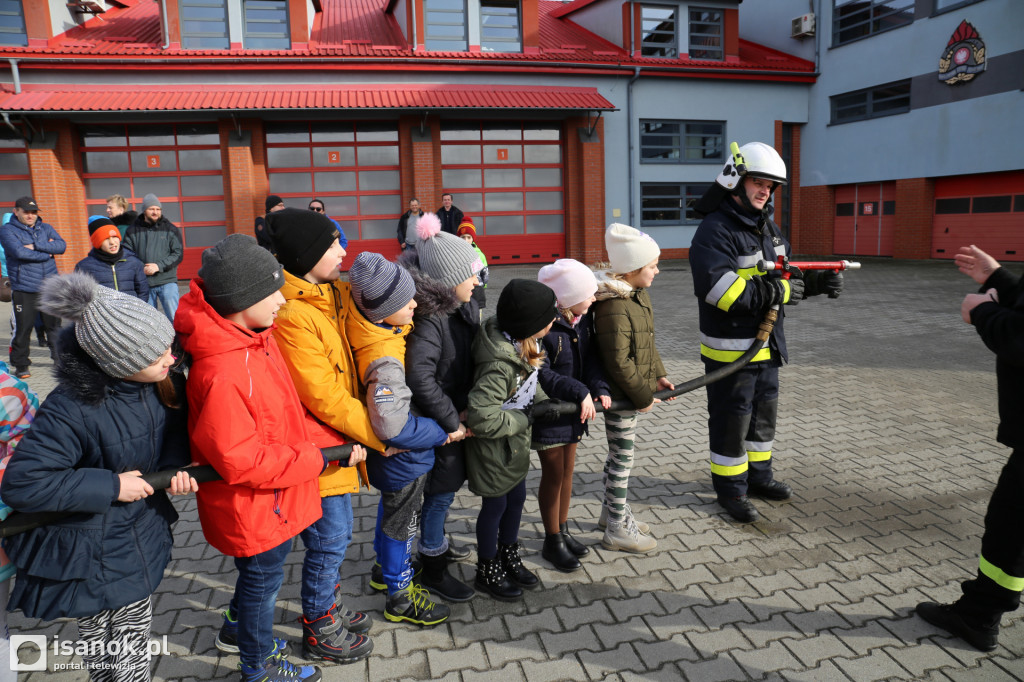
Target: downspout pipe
x=629, y=135
x=15, y=75
x=164, y=25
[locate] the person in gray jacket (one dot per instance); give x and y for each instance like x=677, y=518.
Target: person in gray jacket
x=158, y=244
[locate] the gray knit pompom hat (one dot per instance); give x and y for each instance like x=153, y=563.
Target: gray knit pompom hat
x=122, y=333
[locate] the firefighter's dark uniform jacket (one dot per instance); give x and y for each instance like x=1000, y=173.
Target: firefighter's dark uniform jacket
x=723, y=257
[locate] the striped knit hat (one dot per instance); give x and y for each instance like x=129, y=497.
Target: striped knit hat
x=379, y=287
x=123, y=334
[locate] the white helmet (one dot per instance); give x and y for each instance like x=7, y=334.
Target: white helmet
x=755, y=159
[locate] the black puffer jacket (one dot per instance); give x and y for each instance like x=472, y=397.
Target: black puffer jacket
x=105, y=554
x=158, y=243
x=439, y=368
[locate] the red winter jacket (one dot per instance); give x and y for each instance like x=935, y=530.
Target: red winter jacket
x=246, y=420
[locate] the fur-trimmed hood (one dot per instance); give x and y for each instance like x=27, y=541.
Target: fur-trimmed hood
x=78, y=374
x=432, y=297
x=608, y=286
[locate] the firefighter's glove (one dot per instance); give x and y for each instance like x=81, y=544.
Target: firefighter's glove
x=773, y=291
x=832, y=283
x=796, y=290
x=545, y=410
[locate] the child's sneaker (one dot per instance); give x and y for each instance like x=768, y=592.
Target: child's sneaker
x=277, y=669
x=354, y=621
x=327, y=639
x=413, y=605
x=227, y=639
x=377, y=583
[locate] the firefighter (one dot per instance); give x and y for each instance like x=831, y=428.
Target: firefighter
x=997, y=313
x=733, y=296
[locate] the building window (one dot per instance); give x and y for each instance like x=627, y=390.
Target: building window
x=446, y=25
x=204, y=24
x=353, y=167
x=947, y=5
x=658, y=37
x=12, y=24
x=180, y=163
x=669, y=203
x=706, y=31
x=15, y=180
x=682, y=141
x=266, y=25
x=854, y=19
x=882, y=100
x=499, y=26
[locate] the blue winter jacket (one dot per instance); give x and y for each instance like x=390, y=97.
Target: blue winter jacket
x=127, y=274
x=27, y=268
x=105, y=554
x=571, y=371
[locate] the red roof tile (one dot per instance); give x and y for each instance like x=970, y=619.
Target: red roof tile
x=42, y=98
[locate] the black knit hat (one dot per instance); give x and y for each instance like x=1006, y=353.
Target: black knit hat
x=302, y=237
x=272, y=201
x=237, y=273
x=525, y=307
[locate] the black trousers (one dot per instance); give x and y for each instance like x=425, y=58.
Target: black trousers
x=742, y=410
x=25, y=309
x=997, y=587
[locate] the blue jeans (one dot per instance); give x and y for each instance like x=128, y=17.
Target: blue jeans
x=432, y=517
x=167, y=294
x=326, y=542
x=259, y=580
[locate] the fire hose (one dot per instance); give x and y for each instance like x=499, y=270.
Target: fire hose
x=19, y=522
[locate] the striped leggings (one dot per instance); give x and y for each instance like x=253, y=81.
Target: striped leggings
x=620, y=430
x=118, y=643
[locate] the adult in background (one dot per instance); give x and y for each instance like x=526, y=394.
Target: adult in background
x=407, y=225
x=157, y=242
x=997, y=313
x=449, y=215
x=117, y=211
x=30, y=246
x=273, y=204
x=318, y=206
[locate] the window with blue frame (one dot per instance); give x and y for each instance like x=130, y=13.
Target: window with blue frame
x=856, y=19
x=667, y=141
x=881, y=100
x=670, y=203
x=266, y=25
x=204, y=24
x=12, y=24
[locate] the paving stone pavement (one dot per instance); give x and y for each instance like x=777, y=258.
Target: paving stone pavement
x=886, y=430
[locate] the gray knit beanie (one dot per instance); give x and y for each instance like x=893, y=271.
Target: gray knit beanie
x=449, y=259
x=150, y=200
x=122, y=333
x=237, y=272
x=379, y=287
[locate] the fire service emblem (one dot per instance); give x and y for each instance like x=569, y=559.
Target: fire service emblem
x=964, y=56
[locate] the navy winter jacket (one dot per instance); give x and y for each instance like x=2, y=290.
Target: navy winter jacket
x=571, y=371
x=27, y=268
x=126, y=274
x=105, y=554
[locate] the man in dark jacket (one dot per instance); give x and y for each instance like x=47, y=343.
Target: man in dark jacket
x=30, y=246
x=734, y=295
x=157, y=242
x=997, y=313
x=450, y=216
x=408, y=220
x=273, y=204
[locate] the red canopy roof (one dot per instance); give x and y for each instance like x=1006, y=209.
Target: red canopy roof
x=38, y=98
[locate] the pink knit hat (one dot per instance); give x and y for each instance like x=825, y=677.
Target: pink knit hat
x=572, y=281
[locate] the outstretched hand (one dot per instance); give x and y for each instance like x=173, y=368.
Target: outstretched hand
x=133, y=487
x=975, y=263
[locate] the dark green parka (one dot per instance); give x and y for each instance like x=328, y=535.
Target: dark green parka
x=498, y=454
x=624, y=333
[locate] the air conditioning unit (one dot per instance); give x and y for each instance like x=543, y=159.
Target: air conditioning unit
x=803, y=26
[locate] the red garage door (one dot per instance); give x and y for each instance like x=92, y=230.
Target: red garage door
x=508, y=176
x=986, y=210
x=865, y=219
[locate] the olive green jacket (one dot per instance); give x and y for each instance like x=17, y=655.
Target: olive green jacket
x=624, y=333
x=498, y=453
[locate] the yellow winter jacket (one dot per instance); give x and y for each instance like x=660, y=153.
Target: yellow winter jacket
x=310, y=331
x=371, y=342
